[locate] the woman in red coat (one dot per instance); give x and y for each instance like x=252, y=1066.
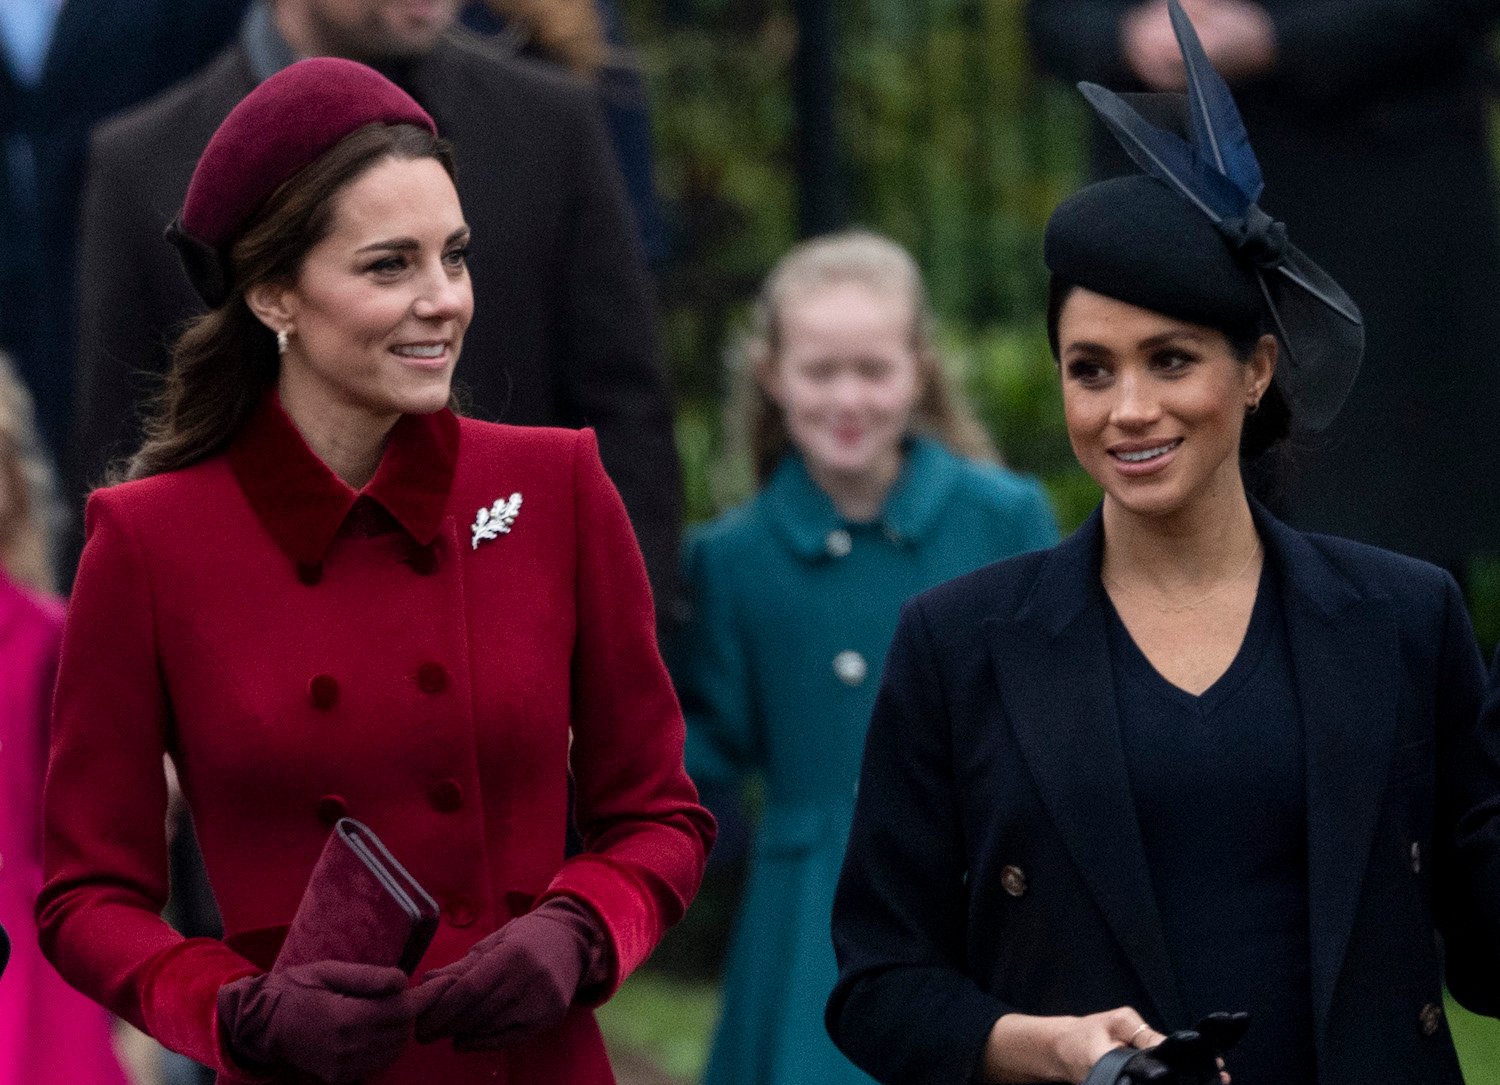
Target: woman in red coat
x=323, y=593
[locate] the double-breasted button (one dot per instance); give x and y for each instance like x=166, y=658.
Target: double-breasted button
x=432, y=678
x=423, y=559
x=518, y=903
x=1013, y=881
x=323, y=691
x=850, y=667
x=1416, y=857
x=446, y=796
x=310, y=572
x=331, y=808
x=838, y=543
x=1431, y=1019
x=460, y=912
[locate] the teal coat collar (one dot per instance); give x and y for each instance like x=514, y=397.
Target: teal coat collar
x=804, y=516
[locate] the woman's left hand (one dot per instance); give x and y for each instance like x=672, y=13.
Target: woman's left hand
x=517, y=982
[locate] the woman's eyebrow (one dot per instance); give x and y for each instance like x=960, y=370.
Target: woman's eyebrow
x=410, y=244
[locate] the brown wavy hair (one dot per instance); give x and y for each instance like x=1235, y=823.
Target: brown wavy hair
x=873, y=261
x=571, y=32
x=226, y=358
x=27, y=523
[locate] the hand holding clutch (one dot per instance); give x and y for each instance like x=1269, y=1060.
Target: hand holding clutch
x=517, y=982
x=338, y=1021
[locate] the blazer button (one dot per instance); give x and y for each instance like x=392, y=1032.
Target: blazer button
x=323, y=691
x=432, y=678
x=460, y=913
x=1431, y=1018
x=518, y=903
x=1416, y=857
x=839, y=543
x=331, y=808
x=423, y=559
x=1013, y=881
x=850, y=667
x=310, y=572
x=446, y=797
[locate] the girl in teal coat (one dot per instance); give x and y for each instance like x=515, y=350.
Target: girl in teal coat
x=876, y=483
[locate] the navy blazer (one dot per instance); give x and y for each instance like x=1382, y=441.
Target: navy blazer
x=996, y=865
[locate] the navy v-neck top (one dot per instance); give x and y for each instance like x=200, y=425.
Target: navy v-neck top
x=1219, y=788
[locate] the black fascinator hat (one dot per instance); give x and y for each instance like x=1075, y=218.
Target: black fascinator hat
x=1189, y=240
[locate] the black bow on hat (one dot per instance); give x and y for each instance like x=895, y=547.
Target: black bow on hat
x=1215, y=170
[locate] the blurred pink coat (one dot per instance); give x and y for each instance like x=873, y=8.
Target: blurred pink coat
x=49, y=1033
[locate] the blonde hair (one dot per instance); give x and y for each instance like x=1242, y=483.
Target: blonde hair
x=880, y=264
x=26, y=524
x=569, y=31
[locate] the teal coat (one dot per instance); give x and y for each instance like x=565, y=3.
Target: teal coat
x=778, y=669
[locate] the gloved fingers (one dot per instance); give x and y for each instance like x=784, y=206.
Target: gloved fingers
x=511, y=1013
x=462, y=996
x=348, y=978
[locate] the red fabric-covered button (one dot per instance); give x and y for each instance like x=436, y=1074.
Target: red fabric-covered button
x=446, y=797
x=460, y=912
x=423, y=560
x=323, y=691
x=432, y=678
x=331, y=808
x=310, y=572
x=518, y=903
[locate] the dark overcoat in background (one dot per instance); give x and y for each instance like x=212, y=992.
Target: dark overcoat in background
x=995, y=863
x=1373, y=137
x=564, y=321
x=105, y=56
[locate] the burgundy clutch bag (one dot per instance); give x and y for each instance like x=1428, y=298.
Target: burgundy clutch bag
x=360, y=906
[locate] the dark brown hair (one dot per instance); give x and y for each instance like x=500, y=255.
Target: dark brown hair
x=226, y=358
x=880, y=264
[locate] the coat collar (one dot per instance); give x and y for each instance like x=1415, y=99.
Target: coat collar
x=1057, y=685
x=804, y=515
x=302, y=503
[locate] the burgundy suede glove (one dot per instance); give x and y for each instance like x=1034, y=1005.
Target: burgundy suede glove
x=517, y=982
x=339, y=1022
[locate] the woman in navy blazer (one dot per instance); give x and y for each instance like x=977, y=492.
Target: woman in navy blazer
x=1189, y=760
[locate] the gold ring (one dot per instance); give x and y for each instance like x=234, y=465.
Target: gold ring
x=1143, y=1027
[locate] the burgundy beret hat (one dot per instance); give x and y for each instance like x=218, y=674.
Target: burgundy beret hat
x=278, y=129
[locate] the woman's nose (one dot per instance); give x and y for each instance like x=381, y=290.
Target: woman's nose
x=1135, y=403
x=443, y=296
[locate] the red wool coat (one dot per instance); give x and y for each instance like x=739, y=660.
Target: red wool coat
x=302, y=652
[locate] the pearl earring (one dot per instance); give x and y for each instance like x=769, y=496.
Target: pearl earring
x=282, y=337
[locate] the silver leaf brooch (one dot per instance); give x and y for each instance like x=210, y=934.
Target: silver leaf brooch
x=496, y=520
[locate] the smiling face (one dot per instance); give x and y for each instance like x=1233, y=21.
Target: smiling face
x=847, y=379
x=1154, y=406
x=378, y=310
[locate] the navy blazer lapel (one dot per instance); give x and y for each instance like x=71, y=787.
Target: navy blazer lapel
x=1056, y=683
x=1343, y=645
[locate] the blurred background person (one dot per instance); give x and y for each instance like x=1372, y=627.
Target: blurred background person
x=49, y=1033
x=875, y=483
x=566, y=332
x=64, y=66
x=588, y=38
x=1369, y=118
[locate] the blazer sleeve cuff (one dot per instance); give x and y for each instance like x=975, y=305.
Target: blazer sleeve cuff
x=631, y=926
x=181, y=997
